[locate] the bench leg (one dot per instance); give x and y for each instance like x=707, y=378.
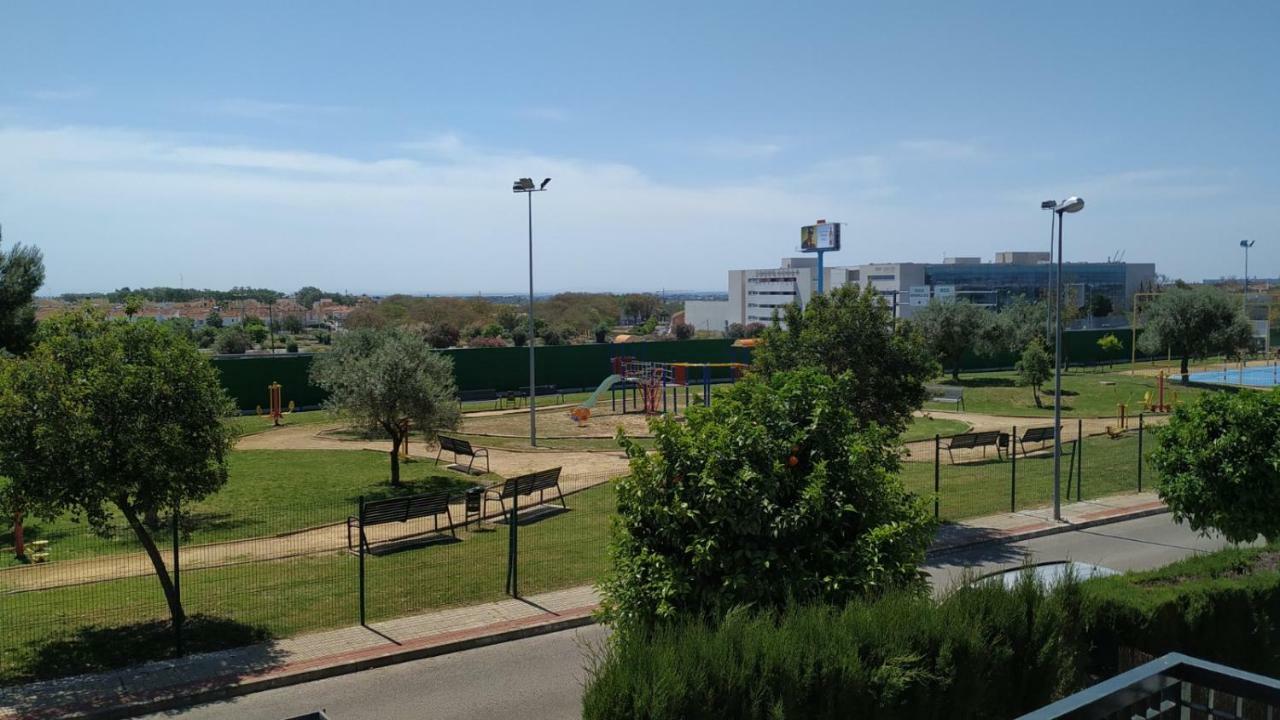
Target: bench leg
x=560, y=495
x=348, y=533
x=438, y=455
x=449, y=516
x=951, y=457
x=473, y=462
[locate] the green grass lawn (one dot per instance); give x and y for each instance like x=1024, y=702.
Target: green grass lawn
x=253, y=424
x=1085, y=393
x=969, y=489
x=267, y=492
x=286, y=597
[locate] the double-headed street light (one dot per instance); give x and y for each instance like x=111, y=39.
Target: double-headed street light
x=1070, y=205
x=525, y=185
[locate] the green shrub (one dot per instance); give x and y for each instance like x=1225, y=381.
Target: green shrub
x=1218, y=460
x=985, y=652
x=775, y=493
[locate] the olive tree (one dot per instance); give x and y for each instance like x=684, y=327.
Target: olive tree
x=108, y=416
x=953, y=329
x=851, y=334
x=21, y=275
x=1034, y=367
x=1194, y=322
x=1216, y=459
x=391, y=382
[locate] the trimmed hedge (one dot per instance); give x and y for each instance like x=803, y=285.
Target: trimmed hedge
x=982, y=652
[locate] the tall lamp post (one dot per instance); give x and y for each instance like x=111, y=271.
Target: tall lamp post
x=1070, y=205
x=1246, y=244
x=525, y=185
x=1048, y=320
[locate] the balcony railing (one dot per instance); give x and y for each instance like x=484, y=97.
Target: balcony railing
x=1173, y=686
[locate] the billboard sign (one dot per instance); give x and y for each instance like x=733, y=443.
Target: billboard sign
x=944, y=293
x=816, y=238
x=918, y=295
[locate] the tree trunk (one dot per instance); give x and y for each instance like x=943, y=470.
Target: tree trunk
x=1035, y=393
x=955, y=372
x=19, y=542
x=157, y=562
x=1186, y=374
x=395, y=459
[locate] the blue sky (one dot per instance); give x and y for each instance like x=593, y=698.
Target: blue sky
x=371, y=146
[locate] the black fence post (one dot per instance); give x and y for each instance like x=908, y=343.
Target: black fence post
x=1013, y=470
x=513, y=547
x=1080, y=461
x=937, y=472
x=177, y=584
x=360, y=555
x=1141, y=416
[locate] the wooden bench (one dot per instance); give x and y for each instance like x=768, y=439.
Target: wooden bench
x=950, y=394
x=460, y=447
x=970, y=441
x=465, y=396
x=1041, y=435
x=515, y=487
x=400, y=509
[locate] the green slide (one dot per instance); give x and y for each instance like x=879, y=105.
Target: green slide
x=590, y=402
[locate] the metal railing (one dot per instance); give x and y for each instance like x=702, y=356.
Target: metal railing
x=1172, y=686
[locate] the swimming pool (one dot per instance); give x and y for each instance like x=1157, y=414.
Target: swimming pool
x=1264, y=376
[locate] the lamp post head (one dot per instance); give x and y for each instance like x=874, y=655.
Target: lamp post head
x=522, y=185
x=544, y=184
x=1072, y=204
x=1246, y=244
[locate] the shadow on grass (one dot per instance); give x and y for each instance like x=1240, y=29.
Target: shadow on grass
x=977, y=382
x=435, y=483
x=95, y=649
x=417, y=542
x=534, y=514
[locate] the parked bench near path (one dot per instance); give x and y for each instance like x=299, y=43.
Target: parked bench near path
x=1041, y=435
x=400, y=510
x=949, y=394
x=525, y=485
x=459, y=448
x=971, y=441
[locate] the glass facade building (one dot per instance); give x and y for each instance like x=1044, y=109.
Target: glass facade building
x=998, y=284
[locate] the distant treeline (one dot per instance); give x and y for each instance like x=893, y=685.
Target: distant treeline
x=307, y=296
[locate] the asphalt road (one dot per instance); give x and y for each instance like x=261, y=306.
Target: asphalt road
x=542, y=677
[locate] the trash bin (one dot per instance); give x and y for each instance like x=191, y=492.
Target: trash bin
x=474, y=498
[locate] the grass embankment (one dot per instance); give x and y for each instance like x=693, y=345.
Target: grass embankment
x=267, y=492
x=1085, y=393
x=285, y=597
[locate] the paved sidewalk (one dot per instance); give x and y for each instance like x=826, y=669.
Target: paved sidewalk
x=161, y=685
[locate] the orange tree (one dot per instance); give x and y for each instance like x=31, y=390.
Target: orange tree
x=778, y=492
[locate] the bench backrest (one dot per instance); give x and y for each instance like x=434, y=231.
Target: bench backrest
x=539, y=390
x=401, y=509
x=531, y=483
x=978, y=439
x=945, y=392
x=457, y=446
x=1039, y=434
x=469, y=395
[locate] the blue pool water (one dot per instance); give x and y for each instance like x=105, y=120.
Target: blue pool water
x=1258, y=376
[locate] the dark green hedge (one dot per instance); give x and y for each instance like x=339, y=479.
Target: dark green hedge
x=980, y=653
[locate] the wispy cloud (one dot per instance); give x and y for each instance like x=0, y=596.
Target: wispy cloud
x=63, y=94
x=544, y=112
x=732, y=149
x=274, y=111
x=442, y=145
x=942, y=149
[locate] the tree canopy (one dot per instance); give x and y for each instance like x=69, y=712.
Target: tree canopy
x=953, y=329
x=21, y=275
x=109, y=416
x=1217, y=463
x=778, y=492
x=851, y=334
x=1193, y=322
x=382, y=378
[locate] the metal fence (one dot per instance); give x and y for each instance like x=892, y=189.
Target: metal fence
x=1012, y=469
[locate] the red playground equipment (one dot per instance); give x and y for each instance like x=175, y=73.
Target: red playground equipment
x=653, y=378
x=276, y=411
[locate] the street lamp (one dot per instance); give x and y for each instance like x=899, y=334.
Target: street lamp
x=1049, y=205
x=1246, y=244
x=525, y=185
x=1070, y=205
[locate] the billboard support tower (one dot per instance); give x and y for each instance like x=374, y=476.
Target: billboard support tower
x=820, y=237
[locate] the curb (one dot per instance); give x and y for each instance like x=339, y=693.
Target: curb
x=1045, y=531
x=200, y=693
